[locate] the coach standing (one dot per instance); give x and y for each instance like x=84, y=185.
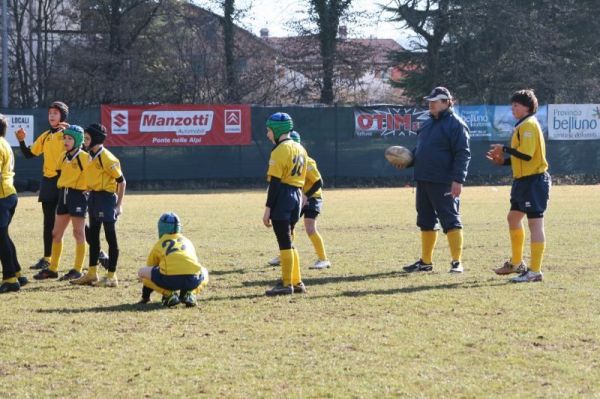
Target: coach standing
x=441, y=160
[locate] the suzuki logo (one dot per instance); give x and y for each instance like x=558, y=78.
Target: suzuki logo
x=119, y=120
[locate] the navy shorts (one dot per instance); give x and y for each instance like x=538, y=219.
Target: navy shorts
x=7, y=209
x=102, y=206
x=312, y=209
x=48, y=190
x=530, y=195
x=71, y=202
x=185, y=282
x=287, y=206
x=435, y=203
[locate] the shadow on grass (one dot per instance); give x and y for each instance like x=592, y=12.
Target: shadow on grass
x=49, y=288
x=225, y=272
x=309, y=281
x=419, y=288
x=125, y=307
x=233, y=297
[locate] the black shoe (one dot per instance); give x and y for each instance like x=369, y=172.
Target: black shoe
x=23, y=281
x=103, y=259
x=279, y=289
x=418, y=266
x=9, y=287
x=45, y=274
x=171, y=300
x=71, y=275
x=41, y=264
x=189, y=299
x=299, y=288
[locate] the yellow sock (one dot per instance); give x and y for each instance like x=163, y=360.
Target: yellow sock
x=428, y=240
x=537, y=254
x=296, y=277
x=286, y=257
x=455, y=241
x=110, y=275
x=150, y=284
x=204, y=282
x=18, y=274
x=11, y=280
x=92, y=271
x=79, y=256
x=56, y=253
x=517, y=242
x=317, y=242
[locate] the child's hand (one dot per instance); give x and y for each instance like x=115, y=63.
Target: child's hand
x=267, y=217
x=63, y=125
x=21, y=134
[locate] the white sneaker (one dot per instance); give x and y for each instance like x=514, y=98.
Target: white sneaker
x=321, y=264
x=528, y=277
x=275, y=261
x=456, y=267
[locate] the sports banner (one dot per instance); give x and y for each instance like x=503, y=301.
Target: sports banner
x=388, y=121
x=574, y=121
x=479, y=120
x=14, y=123
x=504, y=121
x=176, y=125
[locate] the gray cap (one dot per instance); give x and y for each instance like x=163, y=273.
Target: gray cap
x=439, y=93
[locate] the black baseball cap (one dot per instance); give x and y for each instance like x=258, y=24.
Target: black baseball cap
x=439, y=93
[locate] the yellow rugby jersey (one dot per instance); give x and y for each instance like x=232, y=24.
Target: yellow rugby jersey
x=289, y=163
x=102, y=171
x=174, y=255
x=52, y=146
x=7, y=169
x=312, y=176
x=72, y=171
x=528, y=139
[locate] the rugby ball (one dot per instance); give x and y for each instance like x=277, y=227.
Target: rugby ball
x=399, y=156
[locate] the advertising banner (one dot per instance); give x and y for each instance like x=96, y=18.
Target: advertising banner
x=504, y=121
x=176, y=125
x=388, y=121
x=574, y=121
x=14, y=123
x=479, y=119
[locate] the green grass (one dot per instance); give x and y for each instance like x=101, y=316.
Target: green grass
x=364, y=330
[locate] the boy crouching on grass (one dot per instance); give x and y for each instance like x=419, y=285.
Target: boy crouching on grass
x=172, y=266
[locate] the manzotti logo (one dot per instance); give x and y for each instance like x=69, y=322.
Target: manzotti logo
x=233, y=121
x=183, y=123
x=119, y=122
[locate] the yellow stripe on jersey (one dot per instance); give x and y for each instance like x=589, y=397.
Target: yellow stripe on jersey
x=289, y=163
x=72, y=174
x=7, y=169
x=102, y=171
x=52, y=146
x=312, y=176
x=174, y=254
x=528, y=139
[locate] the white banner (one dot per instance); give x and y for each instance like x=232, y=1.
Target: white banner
x=574, y=121
x=14, y=123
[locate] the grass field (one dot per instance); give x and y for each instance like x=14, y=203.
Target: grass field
x=364, y=330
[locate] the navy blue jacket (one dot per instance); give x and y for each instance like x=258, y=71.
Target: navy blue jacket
x=442, y=154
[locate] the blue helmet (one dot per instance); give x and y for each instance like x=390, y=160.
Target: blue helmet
x=168, y=223
x=280, y=123
x=294, y=135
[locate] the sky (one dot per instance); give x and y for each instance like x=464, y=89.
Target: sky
x=274, y=14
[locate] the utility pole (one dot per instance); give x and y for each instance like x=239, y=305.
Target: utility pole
x=4, y=54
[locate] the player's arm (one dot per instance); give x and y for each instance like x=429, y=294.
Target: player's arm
x=515, y=153
x=21, y=134
x=121, y=185
x=462, y=153
x=314, y=188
